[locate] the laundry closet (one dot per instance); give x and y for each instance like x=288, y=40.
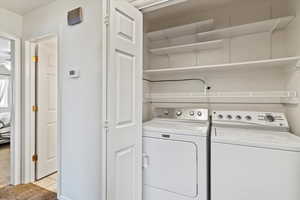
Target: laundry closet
x=221, y=55
x=239, y=61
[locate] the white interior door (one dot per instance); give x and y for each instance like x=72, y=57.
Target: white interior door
x=124, y=136
x=46, y=82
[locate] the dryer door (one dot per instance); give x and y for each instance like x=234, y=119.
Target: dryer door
x=171, y=166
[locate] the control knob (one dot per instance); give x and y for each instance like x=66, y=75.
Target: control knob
x=238, y=117
x=199, y=113
x=248, y=117
x=192, y=113
x=179, y=113
x=269, y=118
x=229, y=117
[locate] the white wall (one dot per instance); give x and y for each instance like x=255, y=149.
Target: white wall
x=80, y=47
x=10, y=23
x=293, y=41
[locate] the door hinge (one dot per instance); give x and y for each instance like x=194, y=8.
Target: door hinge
x=35, y=158
x=35, y=59
x=106, y=20
x=106, y=124
x=34, y=108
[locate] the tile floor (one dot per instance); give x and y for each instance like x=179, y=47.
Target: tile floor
x=4, y=164
x=48, y=182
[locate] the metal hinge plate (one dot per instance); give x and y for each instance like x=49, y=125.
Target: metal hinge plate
x=35, y=59
x=106, y=20
x=34, y=108
x=35, y=158
x=106, y=124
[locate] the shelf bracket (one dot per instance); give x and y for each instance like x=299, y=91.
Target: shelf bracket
x=275, y=26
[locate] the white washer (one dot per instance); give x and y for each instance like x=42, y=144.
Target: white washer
x=175, y=155
x=254, y=157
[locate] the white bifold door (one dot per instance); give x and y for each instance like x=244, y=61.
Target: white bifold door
x=124, y=110
x=46, y=117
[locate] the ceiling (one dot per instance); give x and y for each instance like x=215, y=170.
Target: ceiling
x=22, y=7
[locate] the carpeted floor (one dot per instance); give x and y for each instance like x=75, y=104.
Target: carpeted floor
x=26, y=192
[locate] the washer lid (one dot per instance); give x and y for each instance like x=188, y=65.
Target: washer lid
x=256, y=138
x=177, y=127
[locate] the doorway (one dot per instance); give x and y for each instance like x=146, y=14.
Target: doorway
x=5, y=110
x=44, y=95
x=10, y=112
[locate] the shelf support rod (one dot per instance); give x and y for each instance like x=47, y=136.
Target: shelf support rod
x=206, y=87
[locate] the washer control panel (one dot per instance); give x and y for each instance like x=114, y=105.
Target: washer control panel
x=259, y=118
x=196, y=114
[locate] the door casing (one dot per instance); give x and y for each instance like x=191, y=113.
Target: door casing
x=29, y=116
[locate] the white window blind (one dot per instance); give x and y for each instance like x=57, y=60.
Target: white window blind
x=4, y=93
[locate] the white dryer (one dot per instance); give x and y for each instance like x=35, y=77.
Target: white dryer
x=254, y=157
x=175, y=155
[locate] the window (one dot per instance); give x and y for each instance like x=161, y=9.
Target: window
x=4, y=92
x=5, y=75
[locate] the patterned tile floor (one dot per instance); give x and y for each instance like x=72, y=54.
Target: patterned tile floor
x=4, y=165
x=48, y=182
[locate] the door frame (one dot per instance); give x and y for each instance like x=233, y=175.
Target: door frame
x=29, y=139
x=16, y=114
x=105, y=57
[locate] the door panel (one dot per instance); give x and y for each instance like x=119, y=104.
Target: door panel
x=46, y=82
x=125, y=162
x=124, y=97
x=171, y=166
x=125, y=89
x=125, y=26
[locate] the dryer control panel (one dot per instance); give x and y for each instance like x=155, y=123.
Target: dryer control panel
x=271, y=119
x=196, y=114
